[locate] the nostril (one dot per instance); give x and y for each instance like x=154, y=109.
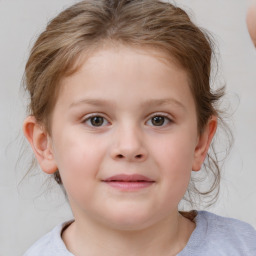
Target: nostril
x=120, y=156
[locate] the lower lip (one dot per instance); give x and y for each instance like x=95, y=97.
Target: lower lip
x=130, y=186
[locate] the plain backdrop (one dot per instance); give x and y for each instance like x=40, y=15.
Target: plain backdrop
x=30, y=207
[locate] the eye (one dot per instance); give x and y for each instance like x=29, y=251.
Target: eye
x=159, y=120
x=96, y=121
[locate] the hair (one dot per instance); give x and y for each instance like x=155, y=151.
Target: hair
x=90, y=24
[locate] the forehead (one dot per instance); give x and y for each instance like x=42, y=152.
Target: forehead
x=103, y=57
x=113, y=72
x=112, y=49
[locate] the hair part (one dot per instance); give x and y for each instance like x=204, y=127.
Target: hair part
x=89, y=25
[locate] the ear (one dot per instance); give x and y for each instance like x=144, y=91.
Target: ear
x=41, y=144
x=204, y=142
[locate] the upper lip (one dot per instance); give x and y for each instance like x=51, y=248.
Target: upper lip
x=128, y=177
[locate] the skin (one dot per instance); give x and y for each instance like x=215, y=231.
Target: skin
x=127, y=87
x=251, y=22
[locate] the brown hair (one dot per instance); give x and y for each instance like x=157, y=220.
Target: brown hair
x=89, y=24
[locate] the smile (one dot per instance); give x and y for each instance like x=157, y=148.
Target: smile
x=129, y=182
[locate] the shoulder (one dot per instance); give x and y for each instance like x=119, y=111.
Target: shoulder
x=216, y=235
x=229, y=235
x=237, y=230
x=50, y=244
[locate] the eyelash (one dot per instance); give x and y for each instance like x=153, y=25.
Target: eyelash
x=166, y=117
x=106, y=122
x=90, y=117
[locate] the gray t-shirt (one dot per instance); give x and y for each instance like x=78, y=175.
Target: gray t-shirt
x=213, y=236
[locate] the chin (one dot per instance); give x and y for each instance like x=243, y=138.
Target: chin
x=130, y=220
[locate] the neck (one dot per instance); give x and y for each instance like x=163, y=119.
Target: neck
x=165, y=238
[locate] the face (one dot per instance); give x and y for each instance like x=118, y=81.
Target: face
x=124, y=137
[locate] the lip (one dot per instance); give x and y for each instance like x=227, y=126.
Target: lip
x=128, y=178
x=126, y=182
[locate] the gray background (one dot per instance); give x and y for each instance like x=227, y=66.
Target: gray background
x=31, y=207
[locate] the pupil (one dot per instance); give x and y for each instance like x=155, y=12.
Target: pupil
x=97, y=121
x=158, y=120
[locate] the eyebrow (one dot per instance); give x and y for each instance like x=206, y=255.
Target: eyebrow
x=147, y=103
x=160, y=102
x=94, y=102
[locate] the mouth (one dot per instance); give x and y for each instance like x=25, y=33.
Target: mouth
x=129, y=182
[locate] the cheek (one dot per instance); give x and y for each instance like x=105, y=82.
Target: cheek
x=175, y=151
x=177, y=169
x=174, y=157
x=78, y=160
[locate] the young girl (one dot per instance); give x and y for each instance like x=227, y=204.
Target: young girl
x=121, y=113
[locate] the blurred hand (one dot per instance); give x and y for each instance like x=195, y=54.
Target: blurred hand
x=251, y=22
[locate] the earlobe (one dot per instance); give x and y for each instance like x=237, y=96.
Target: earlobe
x=41, y=144
x=204, y=143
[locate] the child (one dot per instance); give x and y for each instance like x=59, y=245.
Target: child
x=121, y=112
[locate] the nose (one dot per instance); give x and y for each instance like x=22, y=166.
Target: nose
x=129, y=145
